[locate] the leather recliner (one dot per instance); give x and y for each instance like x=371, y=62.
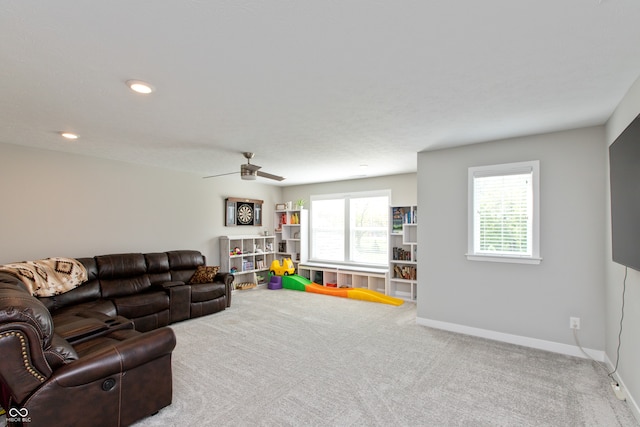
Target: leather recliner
x=104, y=373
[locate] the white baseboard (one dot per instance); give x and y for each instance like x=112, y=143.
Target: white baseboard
x=570, y=350
x=635, y=409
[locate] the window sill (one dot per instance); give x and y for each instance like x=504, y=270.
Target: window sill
x=504, y=258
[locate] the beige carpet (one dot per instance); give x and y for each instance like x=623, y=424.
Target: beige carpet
x=289, y=358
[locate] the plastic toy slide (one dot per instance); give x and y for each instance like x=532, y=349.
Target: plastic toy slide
x=299, y=283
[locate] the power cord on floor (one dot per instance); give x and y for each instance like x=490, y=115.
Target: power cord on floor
x=575, y=336
x=624, y=290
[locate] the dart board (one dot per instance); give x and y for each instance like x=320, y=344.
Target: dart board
x=243, y=212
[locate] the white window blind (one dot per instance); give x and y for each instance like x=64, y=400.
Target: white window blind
x=503, y=216
x=327, y=229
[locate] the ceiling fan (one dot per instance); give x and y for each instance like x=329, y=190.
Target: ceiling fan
x=249, y=172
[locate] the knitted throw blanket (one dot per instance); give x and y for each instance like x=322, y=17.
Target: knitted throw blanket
x=48, y=277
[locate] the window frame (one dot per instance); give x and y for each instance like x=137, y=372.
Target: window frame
x=346, y=197
x=505, y=169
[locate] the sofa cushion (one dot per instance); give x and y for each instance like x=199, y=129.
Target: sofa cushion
x=158, y=267
x=91, y=266
x=88, y=291
x=123, y=287
x=183, y=264
x=122, y=274
x=204, y=274
x=207, y=291
x=185, y=260
x=142, y=304
x=102, y=306
x=120, y=266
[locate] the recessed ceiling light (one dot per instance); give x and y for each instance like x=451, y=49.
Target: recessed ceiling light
x=68, y=135
x=140, y=86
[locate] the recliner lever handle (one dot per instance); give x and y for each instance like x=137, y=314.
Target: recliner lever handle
x=108, y=384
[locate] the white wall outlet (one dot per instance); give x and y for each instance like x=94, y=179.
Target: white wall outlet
x=574, y=322
x=619, y=391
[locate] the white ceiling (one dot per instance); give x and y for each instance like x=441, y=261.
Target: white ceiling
x=314, y=88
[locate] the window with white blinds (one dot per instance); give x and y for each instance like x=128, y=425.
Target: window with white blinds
x=503, y=213
x=350, y=228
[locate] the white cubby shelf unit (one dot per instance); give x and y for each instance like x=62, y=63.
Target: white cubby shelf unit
x=374, y=279
x=403, y=252
x=292, y=235
x=251, y=265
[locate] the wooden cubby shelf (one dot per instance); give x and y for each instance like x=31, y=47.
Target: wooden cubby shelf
x=403, y=253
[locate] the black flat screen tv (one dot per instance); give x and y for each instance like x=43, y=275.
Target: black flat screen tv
x=624, y=169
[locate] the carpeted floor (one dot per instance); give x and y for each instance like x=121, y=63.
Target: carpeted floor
x=288, y=358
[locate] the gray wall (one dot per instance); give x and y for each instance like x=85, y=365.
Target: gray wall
x=533, y=301
x=57, y=204
x=628, y=369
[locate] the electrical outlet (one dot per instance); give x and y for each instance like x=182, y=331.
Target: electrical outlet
x=619, y=391
x=574, y=322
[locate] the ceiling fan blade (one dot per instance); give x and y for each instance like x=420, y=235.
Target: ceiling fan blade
x=221, y=174
x=248, y=171
x=270, y=176
x=251, y=167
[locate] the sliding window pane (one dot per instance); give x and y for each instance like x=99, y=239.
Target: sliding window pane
x=327, y=217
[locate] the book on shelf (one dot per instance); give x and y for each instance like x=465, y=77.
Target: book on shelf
x=411, y=216
x=407, y=272
x=400, y=254
x=397, y=216
x=247, y=265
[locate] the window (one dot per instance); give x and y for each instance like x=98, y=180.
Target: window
x=504, y=213
x=350, y=228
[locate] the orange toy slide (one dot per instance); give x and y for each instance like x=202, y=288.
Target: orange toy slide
x=314, y=288
x=300, y=283
x=373, y=296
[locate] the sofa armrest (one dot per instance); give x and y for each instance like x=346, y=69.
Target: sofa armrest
x=80, y=328
x=227, y=279
x=123, y=356
x=167, y=285
x=179, y=300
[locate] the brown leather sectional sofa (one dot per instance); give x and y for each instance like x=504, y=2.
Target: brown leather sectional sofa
x=100, y=354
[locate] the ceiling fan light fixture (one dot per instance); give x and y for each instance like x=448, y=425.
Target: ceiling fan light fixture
x=248, y=174
x=140, y=87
